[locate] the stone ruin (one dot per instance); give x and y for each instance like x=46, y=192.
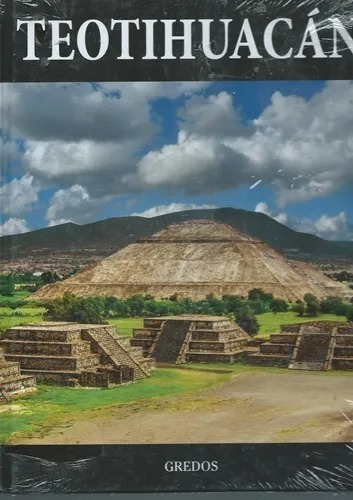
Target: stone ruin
x=317, y=345
x=12, y=382
x=201, y=339
x=74, y=354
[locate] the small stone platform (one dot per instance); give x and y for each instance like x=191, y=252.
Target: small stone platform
x=197, y=338
x=316, y=345
x=12, y=381
x=74, y=354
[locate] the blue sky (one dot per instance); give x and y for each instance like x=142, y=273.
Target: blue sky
x=83, y=152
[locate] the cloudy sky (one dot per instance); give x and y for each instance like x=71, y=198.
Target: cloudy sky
x=83, y=152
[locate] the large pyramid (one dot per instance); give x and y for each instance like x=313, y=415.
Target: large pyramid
x=195, y=259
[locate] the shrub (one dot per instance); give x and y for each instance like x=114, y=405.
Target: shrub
x=299, y=308
x=279, y=305
x=334, y=305
x=312, y=304
x=7, y=290
x=260, y=294
x=246, y=319
x=76, y=309
x=349, y=315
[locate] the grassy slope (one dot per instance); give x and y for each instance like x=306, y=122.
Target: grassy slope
x=125, y=326
x=35, y=414
x=271, y=323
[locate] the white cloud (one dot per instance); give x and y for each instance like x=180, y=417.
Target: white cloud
x=14, y=226
x=98, y=138
x=18, y=196
x=73, y=205
x=263, y=208
x=58, y=222
x=153, y=90
x=173, y=207
x=334, y=227
x=10, y=152
x=302, y=149
x=85, y=134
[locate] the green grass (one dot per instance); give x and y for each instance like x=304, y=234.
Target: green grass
x=18, y=295
x=10, y=321
x=36, y=414
x=271, y=323
x=125, y=326
x=240, y=367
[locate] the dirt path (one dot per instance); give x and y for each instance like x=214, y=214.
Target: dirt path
x=249, y=408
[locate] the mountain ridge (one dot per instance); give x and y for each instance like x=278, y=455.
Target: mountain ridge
x=117, y=232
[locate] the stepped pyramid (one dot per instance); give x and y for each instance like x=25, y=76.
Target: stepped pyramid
x=317, y=345
x=195, y=259
x=74, y=354
x=180, y=339
x=12, y=381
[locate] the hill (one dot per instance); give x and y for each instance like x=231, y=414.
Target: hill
x=87, y=242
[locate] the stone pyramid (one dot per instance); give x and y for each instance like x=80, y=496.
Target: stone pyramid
x=198, y=338
x=316, y=345
x=195, y=259
x=74, y=354
x=12, y=381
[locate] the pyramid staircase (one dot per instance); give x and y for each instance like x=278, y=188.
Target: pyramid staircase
x=117, y=351
x=12, y=381
x=316, y=345
x=73, y=354
x=4, y=397
x=192, y=338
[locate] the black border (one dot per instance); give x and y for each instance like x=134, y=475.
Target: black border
x=141, y=468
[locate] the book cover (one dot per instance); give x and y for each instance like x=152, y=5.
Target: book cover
x=176, y=246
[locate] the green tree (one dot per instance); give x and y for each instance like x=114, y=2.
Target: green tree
x=7, y=289
x=76, y=309
x=246, y=319
x=349, y=315
x=260, y=294
x=279, y=305
x=136, y=305
x=49, y=277
x=299, y=308
x=334, y=305
x=312, y=304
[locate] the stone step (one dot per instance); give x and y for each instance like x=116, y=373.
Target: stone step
x=269, y=360
x=45, y=348
x=345, y=330
x=9, y=369
x=53, y=363
x=43, y=335
x=344, y=340
x=144, y=333
x=282, y=338
x=4, y=397
x=206, y=345
x=216, y=335
x=214, y=357
x=343, y=352
x=277, y=349
x=18, y=384
x=342, y=363
x=108, y=343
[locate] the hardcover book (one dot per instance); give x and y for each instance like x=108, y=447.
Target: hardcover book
x=176, y=246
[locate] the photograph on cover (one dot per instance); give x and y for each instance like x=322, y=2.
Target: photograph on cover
x=176, y=262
